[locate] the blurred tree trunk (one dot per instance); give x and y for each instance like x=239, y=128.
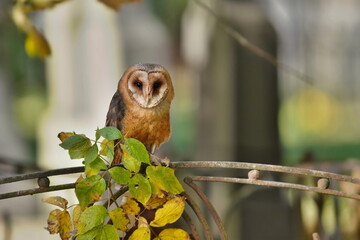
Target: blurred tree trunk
x=240, y=106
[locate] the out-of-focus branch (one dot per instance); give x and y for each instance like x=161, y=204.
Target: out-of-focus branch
x=243, y=41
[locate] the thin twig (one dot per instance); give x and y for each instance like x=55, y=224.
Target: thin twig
x=275, y=184
x=210, y=207
x=195, y=207
x=37, y=190
x=243, y=41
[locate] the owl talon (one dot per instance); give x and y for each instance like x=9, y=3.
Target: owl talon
x=159, y=161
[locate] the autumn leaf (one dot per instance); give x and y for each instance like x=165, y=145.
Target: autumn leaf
x=57, y=201
x=141, y=234
x=90, y=190
x=77, y=211
x=170, y=213
x=155, y=201
x=109, y=133
x=91, y=218
x=119, y=219
x=36, y=44
x=107, y=149
x=65, y=135
x=120, y=175
x=140, y=188
x=115, y=4
x=142, y=222
x=60, y=222
x=164, y=178
x=173, y=234
x=131, y=207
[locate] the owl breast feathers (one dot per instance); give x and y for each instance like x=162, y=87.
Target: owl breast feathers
x=140, y=108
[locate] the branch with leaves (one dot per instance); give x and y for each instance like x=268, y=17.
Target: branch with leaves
x=151, y=203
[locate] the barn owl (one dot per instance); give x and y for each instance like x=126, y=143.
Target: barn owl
x=140, y=108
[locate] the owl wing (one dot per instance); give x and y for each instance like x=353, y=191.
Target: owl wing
x=116, y=112
x=113, y=119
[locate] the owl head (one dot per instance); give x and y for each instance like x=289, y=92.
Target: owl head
x=147, y=85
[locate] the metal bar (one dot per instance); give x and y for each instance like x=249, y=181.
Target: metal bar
x=37, y=190
x=195, y=207
x=39, y=174
x=210, y=207
x=276, y=184
x=265, y=167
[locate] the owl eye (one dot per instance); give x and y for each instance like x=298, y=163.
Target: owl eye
x=139, y=85
x=157, y=85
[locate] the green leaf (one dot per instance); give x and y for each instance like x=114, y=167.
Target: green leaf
x=91, y=154
x=91, y=218
x=98, y=164
x=140, y=188
x=90, y=235
x=134, y=153
x=95, y=167
x=75, y=142
x=107, y=232
x=110, y=133
x=119, y=219
x=107, y=149
x=90, y=189
x=164, y=178
x=120, y=175
x=136, y=150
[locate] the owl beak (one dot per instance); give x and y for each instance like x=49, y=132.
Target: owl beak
x=148, y=94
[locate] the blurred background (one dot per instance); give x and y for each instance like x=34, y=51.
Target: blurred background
x=230, y=104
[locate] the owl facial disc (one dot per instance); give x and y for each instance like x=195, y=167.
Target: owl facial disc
x=147, y=89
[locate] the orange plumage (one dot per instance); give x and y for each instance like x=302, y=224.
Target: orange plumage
x=140, y=107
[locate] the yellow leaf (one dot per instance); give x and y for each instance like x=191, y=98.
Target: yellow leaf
x=131, y=207
x=80, y=178
x=65, y=135
x=155, y=201
x=115, y=4
x=76, y=216
x=57, y=201
x=65, y=225
x=142, y=222
x=119, y=219
x=60, y=222
x=173, y=234
x=36, y=45
x=104, y=146
x=53, y=222
x=170, y=213
x=141, y=234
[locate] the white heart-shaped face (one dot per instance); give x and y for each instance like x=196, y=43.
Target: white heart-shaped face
x=148, y=89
